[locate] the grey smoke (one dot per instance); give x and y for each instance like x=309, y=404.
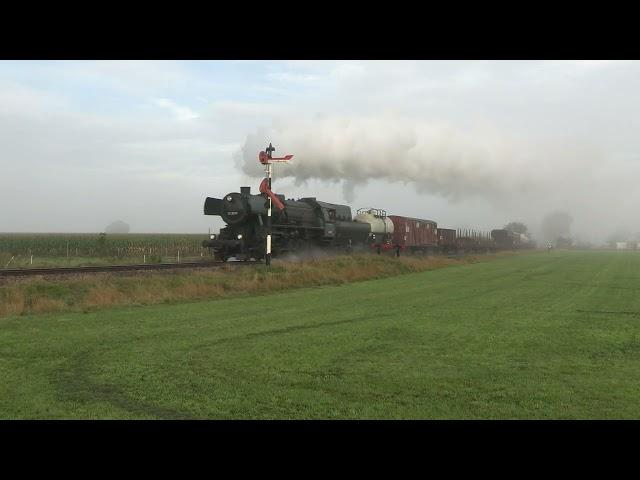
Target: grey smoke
x=432, y=158
x=519, y=176
x=556, y=225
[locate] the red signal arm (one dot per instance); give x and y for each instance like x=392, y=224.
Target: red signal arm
x=264, y=188
x=264, y=158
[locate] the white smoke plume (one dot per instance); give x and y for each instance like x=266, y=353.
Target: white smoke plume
x=435, y=158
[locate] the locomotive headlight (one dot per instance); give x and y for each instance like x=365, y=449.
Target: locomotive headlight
x=229, y=198
x=212, y=236
x=239, y=236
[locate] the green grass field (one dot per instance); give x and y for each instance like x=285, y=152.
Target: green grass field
x=528, y=336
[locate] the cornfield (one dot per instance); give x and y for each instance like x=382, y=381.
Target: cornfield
x=100, y=245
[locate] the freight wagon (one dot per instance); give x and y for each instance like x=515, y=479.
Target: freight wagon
x=414, y=235
x=474, y=241
x=447, y=240
x=505, y=239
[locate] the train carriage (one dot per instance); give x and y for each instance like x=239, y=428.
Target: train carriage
x=505, y=239
x=381, y=228
x=414, y=235
x=447, y=241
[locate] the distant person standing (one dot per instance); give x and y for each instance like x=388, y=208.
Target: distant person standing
x=549, y=247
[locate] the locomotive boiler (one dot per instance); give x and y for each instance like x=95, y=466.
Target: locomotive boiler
x=298, y=225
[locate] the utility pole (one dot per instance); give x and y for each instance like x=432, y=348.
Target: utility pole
x=266, y=158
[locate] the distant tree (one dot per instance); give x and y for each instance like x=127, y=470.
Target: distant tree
x=117, y=227
x=557, y=225
x=517, y=227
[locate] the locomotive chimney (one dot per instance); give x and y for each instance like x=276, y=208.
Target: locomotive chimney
x=245, y=190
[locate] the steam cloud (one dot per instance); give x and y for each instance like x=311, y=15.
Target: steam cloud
x=432, y=157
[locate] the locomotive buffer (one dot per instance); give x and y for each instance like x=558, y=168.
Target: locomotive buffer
x=266, y=158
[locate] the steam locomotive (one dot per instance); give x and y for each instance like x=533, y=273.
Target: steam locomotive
x=308, y=223
x=302, y=224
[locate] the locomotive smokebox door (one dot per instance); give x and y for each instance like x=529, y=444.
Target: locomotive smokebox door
x=213, y=206
x=235, y=209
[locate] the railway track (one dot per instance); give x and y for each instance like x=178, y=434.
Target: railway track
x=27, y=272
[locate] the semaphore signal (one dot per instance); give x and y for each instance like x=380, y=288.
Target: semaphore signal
x=266, y=158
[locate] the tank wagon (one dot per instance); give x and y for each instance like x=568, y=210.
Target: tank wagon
x=300, y=225
x=381, y=228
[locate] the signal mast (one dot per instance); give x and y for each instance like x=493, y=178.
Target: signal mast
x=266, y=158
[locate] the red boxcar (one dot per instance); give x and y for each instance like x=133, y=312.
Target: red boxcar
x=414, y=234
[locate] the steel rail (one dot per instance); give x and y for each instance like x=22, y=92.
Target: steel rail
x=19, y=272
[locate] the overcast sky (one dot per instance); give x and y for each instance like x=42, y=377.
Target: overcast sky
x=465, y=143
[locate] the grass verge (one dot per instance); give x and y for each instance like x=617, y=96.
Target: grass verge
x=91, y=292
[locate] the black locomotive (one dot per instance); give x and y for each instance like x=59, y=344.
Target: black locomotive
x=302, y=224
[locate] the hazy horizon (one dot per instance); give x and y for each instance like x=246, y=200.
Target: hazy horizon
x=469, y=144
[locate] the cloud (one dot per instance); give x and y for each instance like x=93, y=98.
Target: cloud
x=181, y=113
x=69, y=170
